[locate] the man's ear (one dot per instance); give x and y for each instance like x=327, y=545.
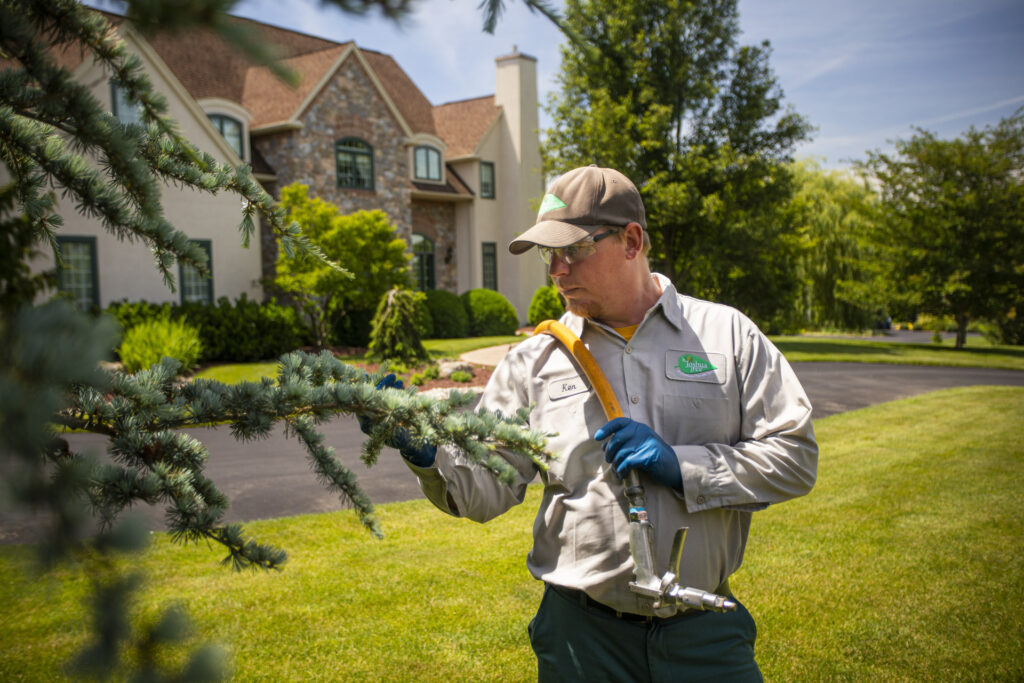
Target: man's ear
x=634, y=237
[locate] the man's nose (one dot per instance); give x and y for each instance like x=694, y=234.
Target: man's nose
x=558, y=267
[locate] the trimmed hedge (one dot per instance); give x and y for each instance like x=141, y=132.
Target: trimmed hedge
x=489, y=313
x=546, y=305
x=448, y=315
x=230, y=332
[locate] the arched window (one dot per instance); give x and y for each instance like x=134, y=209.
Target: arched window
x=231, y=129
x=422, y=262
x=427, y=163
x=354, y=159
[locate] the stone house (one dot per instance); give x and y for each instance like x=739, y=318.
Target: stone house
x=458, y=180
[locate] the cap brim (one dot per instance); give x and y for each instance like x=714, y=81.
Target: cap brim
x=550, y=234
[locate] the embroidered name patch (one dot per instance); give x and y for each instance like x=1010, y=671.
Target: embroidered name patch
x=568, y=386
x=695, y=366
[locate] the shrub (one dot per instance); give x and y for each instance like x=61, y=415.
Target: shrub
x=148, y=342
x=448, y=315
x=546, y=305
x=231, y=332
x=489, y=313
x=391, y=335
x=423, y=320
x=461, y=376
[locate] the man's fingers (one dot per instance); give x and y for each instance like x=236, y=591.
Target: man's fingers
x=611, y=427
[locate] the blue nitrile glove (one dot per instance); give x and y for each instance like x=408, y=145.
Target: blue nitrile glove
x=633, y=444
x=421, y=456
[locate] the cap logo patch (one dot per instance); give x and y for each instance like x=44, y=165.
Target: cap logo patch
x=550, y=203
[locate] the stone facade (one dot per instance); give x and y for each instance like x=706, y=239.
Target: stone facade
x=347, y=106
x=436, y=221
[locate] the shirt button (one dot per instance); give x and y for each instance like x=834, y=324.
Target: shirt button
x=634, y=398
x=700, y=500
x=629, y=349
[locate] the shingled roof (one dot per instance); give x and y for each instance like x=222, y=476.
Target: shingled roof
x=208, y=67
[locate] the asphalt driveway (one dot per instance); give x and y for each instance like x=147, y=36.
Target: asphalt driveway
x=271, y=478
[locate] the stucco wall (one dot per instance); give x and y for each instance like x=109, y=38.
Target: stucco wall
x=127, y=270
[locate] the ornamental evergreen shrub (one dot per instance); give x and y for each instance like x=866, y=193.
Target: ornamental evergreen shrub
x=448, y=314
x=392, y=337
x=423, y=320
x=546, y=304
x=230, y=332
x=489, y=313
x=147, y=343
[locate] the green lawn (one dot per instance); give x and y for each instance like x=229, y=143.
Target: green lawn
x=981, y=355
x=905, y=563
x=803, y=348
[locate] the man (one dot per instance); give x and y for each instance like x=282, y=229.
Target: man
x=717, y=424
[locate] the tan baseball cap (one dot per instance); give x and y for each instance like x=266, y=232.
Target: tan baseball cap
x=578, y=203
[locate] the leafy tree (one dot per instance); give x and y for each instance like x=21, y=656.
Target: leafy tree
x=364, y=243
x=54, y=135
x=949, y=238
x=832, y=211
x=671, y=99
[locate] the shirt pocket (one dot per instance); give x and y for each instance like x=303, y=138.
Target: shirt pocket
x=702, y=414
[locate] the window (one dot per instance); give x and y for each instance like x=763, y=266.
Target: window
x=355, y=164
x=231, y=129
x=126, y=111
x=193, y=286
x=77, y=273
x=487, y=180
x=490, y=265
x=422, y=262
x=428, y=163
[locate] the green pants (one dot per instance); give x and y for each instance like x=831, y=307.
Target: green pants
x=575, y=642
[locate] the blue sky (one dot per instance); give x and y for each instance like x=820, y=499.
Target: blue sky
x=862, y=72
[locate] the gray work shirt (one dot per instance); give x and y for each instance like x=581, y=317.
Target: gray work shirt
x=708, y=382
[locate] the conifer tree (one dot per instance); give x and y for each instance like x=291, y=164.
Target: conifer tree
x=393, y=335
x=54, y=136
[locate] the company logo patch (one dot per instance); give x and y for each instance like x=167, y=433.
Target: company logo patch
x=693, y=365
x=550, y=203
x=696, y=365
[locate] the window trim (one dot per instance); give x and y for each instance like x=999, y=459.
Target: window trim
x=428, y=149
x=206, y=245
x=217, y=118
x=494, y=190
x=94, y=264
x=428, y=282
x=488, y=256
x=368, y=153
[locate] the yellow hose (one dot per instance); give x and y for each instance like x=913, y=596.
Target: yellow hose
x=598, y=382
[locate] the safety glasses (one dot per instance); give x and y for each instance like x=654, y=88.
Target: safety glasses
x=574, y=253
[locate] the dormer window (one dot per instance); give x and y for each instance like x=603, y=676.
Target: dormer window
x=231, y=129
x=427, y=164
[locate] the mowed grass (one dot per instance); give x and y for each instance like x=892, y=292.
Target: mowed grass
x=903, y=564
x=232, y=373
x=983, y=355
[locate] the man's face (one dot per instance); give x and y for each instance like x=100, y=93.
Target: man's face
x=587, y=285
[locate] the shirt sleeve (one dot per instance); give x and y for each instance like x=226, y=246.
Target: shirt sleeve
x=776, y=456
x=460, y=487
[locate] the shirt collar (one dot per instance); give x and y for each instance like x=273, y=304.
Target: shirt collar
x=668, y=303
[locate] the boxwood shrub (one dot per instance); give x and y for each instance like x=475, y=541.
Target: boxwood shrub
x=448, y=315
x=489, y=313
x=238, y=332
x=546, y=305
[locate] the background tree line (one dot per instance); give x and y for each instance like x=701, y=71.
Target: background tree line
x=670, y=97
